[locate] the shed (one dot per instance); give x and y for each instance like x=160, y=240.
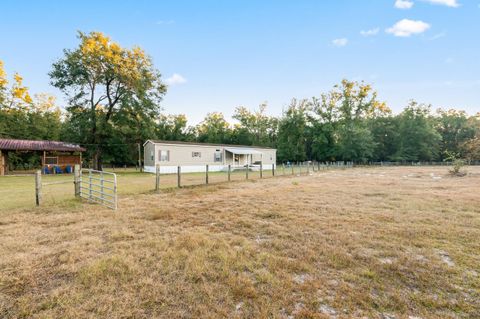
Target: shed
x=56, y=156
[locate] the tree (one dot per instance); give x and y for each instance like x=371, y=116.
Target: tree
x=471, y=148
x=322, y=133
x=384, y=131
x=339, y=127
x=417, y=138
x=3, y=85
x=107, y=85
x=214, y=129
x=455, y=130
x=291, y=144
x=174, y=128
x=255, y=128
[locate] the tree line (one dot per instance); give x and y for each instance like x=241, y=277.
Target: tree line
x=113, y=104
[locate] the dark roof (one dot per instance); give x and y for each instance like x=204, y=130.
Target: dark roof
x=208, y=144
x=31, y=145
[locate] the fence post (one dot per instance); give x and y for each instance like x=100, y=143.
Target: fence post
x=283, y=169
x=38, y=187
x=246, y=173
x=273, y=169
x=300, y=169
x=101, y=187
x=90, y=184
x=308, y=168
x=229, y=171
x=261, y=170
x=157, y=178
x=115, y=191
x=76, y=179
x=293, y=169
x=206, y=174
x=179, y=173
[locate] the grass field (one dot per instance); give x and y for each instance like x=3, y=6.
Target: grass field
x=18, y=191
x=367, y=242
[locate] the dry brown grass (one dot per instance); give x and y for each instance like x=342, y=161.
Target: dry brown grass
x=351, y=243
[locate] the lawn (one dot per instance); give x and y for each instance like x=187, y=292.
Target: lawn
x=364, y=242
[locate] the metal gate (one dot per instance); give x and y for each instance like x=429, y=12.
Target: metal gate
x=99, y=187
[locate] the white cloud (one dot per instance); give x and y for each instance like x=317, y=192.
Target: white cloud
x=340, y=42
x=370, y=32
x=406, y=27
x=448, y=3
x=176, y=79
x=403, y=4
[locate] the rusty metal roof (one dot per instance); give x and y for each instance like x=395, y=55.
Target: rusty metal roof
x=32, y=145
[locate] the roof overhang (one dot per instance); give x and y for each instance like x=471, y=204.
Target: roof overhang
x=242, y=151
x=34, y=145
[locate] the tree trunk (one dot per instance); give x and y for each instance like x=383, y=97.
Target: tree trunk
x=97, y=159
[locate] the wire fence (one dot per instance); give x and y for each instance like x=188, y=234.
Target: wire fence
x=416, y=163
x=21, y=191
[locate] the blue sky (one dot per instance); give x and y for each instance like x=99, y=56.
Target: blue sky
x=218, y=55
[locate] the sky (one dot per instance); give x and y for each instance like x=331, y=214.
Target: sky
x=218, y=55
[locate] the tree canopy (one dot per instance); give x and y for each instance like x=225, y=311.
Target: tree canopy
x=110, y=89
x=113, y=105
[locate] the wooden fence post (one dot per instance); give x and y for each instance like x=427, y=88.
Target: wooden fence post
x=283, y=169
x=38, y=187
x=76, y=179
x=206, y=174
x=246, y=173
x=261, y=170
x=293, y=170
x=300, y=169
x=229, y=171
x=157, y=178
x=179, y=174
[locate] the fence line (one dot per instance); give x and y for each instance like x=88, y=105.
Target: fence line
x=416, y=163
x=95, y=187
x=260, y=172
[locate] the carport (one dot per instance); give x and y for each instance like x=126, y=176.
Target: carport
x=56, y=157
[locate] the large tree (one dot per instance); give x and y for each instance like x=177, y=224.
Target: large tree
x=174, y=128
x=107, y=86
x=292, y=132
x=214, y=129
x=455, y=129
x=417, y=139
x=255, y=128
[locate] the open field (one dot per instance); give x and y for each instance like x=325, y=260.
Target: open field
x=18, y=191
x=365, y=242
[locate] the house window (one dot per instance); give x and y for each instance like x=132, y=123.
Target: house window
x=218, y=156
x=51, y=160
x=196, y=154
x=151, y=156
x=164, y=156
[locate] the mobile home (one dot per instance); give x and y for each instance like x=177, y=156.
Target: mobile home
x=193, y=157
